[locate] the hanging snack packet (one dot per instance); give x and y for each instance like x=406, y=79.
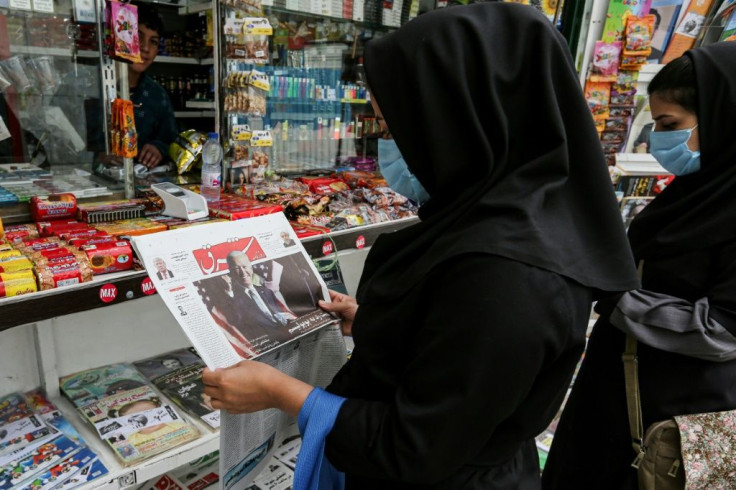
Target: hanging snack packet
x=261, y=145
x=128, y=131
x=256, y=31
x=605, y=61
x=598, y=94
x=124, y=44
x=258, y=88
x=639, y=35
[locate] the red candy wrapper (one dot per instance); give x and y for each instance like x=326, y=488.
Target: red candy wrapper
x=234, y=207
x=16, y=233
x=109, y=257
x=49, y=228
x=53, y=207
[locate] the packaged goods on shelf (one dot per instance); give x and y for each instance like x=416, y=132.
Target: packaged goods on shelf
x=110, y=210
x=55, y=206
x=232, y=207
x=17, y=283
x=131, y=227
x=15, y=264
x=108, y=257
x=16, y=233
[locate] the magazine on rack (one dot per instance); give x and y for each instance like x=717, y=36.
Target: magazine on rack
x=88, y=386
x=240, y=291
x=178, y=375
x=137, y=424
x=186, y=388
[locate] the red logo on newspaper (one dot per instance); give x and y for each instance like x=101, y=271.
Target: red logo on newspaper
x=213, y=258
x=108, y=293
x=147, y=286
x=360, y=241
x=327, y=248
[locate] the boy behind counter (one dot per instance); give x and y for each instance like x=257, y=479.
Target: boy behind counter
x=154, y=114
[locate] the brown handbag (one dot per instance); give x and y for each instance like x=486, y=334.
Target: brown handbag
x=658, y=454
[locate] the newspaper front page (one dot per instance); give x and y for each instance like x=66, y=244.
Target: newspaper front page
x=246, y=290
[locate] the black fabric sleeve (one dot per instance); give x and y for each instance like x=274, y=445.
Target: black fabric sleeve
x=722, y=295
x=484, y=335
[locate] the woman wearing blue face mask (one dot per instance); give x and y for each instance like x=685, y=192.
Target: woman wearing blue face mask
x=684, y=317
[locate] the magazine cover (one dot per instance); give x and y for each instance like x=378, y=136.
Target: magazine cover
x=38, y=460
x=237, y=290
x=186, y=388
x=138, y=424
x=93, y=470
x=87, y=386
x=22, y=432
x=153, y=367
x=13, y=407
x=665, y=17
x=52, y=415
x=58, y=473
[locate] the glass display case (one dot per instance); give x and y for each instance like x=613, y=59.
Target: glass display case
x=51, y=73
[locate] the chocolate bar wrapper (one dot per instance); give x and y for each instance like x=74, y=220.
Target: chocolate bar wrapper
x=109, y=257
x=53, y=207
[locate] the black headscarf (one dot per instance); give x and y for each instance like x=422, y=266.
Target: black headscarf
x=485, y=106
x=698, y=211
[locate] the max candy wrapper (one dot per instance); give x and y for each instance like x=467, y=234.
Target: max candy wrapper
x=55, y=206
x=17, y=283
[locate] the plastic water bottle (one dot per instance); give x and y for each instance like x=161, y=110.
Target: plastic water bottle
x=211, y=169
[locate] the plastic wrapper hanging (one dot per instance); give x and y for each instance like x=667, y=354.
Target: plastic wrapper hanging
x=15, y=68
x=186, y=150
x=122, y=41
x=45, y=73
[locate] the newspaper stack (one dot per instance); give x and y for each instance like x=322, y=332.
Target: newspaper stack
x=127, y=413
x=39, y=449
x=178, y=375
x=198, y=474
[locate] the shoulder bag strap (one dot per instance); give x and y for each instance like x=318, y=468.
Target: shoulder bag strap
x=633, y=400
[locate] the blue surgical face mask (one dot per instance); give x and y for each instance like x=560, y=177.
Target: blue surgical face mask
x=397, y=174
x=671, y=151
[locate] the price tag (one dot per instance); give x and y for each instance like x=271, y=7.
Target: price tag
x=327, y=248
x=43, y=6
x=20, y=4
x=360, y=241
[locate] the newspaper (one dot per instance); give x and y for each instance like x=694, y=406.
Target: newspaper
x=240, y=291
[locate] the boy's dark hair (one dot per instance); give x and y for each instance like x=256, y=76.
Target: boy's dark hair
x=149, y=16
x=675, y=82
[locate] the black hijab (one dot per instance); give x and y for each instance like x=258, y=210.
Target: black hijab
x=698, y=211
x=485, y=106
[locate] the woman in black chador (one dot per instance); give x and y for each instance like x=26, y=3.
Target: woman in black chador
x=684, y=317
x=471, y=322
